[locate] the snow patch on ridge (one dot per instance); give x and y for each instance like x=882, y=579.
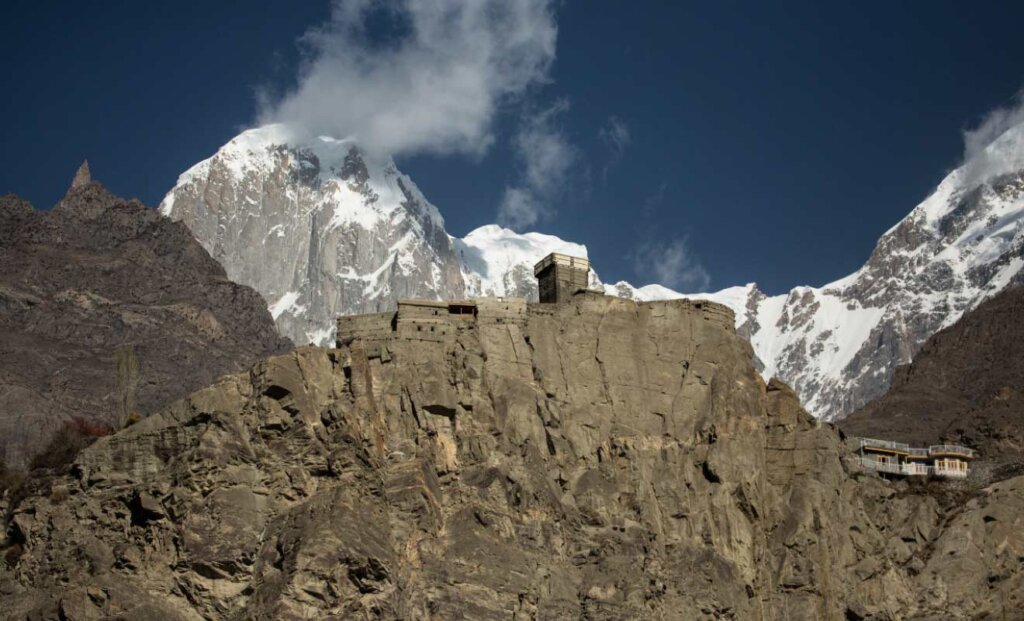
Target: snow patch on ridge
x=286, y=303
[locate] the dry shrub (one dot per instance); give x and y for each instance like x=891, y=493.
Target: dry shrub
x=76, y=434
x=89, y=428
x=59, y=495
x=12, y=554
x=9, y=479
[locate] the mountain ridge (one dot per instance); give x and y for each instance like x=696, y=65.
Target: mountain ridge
x=110, y=310
x=964, y=386
x=837, y=344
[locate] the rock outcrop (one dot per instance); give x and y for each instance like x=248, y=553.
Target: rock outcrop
x=966, y=385
x=82, y=176
x=600, y=459
x=108, y=309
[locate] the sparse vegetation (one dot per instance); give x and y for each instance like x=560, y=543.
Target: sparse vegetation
x=127, y=373
x=15, y=485
x=9, y=479
x=74, y=435
x=12, y=554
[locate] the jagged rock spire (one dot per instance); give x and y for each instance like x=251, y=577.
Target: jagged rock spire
x=82, y=177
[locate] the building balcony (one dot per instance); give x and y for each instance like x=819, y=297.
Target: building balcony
x=935, y=450
x=953, y=450
x=888, y=445
x=913, y=469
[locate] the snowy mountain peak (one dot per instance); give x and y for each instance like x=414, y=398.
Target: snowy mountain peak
x=362, y=189
x=840, y=344
x=317, y=226
x=1003, y=156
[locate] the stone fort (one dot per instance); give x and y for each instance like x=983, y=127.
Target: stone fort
x=561, y=279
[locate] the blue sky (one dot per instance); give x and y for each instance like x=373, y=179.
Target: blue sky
x=742, y=141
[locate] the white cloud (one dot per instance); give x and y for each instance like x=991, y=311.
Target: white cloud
x=435, y=88
x=993, y=125
x=546, y=157
x=615, y=135
x=670, y=264
x=518, y=209
x=980, y=163
x=652, y=202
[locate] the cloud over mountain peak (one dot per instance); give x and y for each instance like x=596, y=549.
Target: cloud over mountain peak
x=417, y=77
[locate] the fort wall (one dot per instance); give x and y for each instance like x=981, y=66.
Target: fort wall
x=710, y=311
x=437, y=321
x=501, y=310
x=377, y=325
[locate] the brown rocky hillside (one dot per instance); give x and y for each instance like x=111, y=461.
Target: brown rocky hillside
x=108, y=309
x=599, y=459
x=965, y=385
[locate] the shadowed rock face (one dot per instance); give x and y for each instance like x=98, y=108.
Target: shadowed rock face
x=108, y=308
x=600, y=459
x=966, y=385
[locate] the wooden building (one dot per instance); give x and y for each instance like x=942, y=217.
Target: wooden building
x=559, y=276
x=941, y=460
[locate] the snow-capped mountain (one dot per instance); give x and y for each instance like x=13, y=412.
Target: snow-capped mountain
x=319, y=229
x=839, y=344
x=322, y=229
x=499, y=261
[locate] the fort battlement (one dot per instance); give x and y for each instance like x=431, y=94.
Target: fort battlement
x=377, y=325
x=440, y=321
x=711, y=311
x=561, y=279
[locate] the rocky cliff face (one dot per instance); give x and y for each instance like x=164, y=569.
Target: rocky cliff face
x=108, y=309
x=320, y=230
x=600, y=459
x=965, y=385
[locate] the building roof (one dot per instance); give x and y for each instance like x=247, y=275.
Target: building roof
x=561, y=259
x=935, y=450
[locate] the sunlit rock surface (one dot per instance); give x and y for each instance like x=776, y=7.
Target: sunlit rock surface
x=600, y=459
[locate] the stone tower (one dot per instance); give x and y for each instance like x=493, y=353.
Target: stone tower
x=559, y=276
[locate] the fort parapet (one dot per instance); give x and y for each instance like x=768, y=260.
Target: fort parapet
x=440, y=321
x=711, y=311
x=378, y=325
x=432, y=320
x=560, y=279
